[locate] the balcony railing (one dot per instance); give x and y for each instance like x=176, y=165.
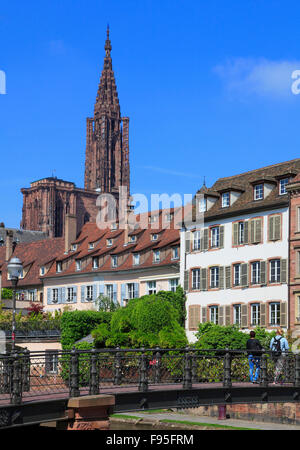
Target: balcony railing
x=33, y=329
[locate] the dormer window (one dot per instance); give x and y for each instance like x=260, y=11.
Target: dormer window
x=169, y=217
x=132, y=238
x=202, y=204
x=73, y=247
x=42, y=270
x=225, y=199
x=114, y=226
x=136, y=259
x=91, y=245
x=114, y=261
x=58, y=266
x=78, y=264
x=258, y=191
x=153, y=219
x=282, y=185
x=109, y=242
x=156, y=256
x=175, y=252
x=95, y=262
x=154, y=237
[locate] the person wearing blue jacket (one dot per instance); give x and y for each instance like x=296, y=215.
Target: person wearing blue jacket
x=279, y=346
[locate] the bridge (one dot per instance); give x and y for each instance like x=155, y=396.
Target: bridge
x=36, y=387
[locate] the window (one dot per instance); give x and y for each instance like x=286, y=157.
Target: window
x=173, y=284
x=237, y=315
x=136, y=259
x=175, y=252
x=51, y=361
x=58, y=267
x=31, y=296
x=54, y=295
x=70, y=294
x=42, y=270
x=215, y=237
x=153, y=219
x=255, y=272
x=241, y=233
x=274, y=313
x=214, y=277
x=202, y=204
x=151, y=287
x=259, y=192
x=114, y=226
x=156, y=256
x=89, y=293
x=213, y=314
x=255, y=314
x=109, y=291
x=169, y=217
x=132, y=238
x=109, y=242
x=225, y=199
x=282, y=186
x=237, y=274
x=78, y=264
x=196, y=279
x=196, y=240
x=130, y=291
x=154, y=237
x=95, y=262
x=114, y=261
x=74, y=247
x=275, y=271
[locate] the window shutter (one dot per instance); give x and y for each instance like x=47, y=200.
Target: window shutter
x=74, y=294
x=221, y=316
x=123, y=293
x=101, y=289
x=283, y=271
x=283, y=314
x=204, y=314
x=203, y=285
x=94, y=292
x=277, y=225
x=35, y=295
x=221, y=277
x=221, y=236
x=49, y=298
x=263, y=272
x=63, y=295
x=228, y=277
x=82, y=294
x=244, y=275
x=235, y=234
x=187, y=242
x=136, y=290
x=115, y=293
x=59, y=295
x=227, y=315
x=271, y=228
x=258, y=230
x=244, y=316
x=205, y=239
x=186, y=280
x=252, y=228
x=194, y=317
x=263, y=317
x=246, y=232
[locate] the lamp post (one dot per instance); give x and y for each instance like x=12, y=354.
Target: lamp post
x=14, y=269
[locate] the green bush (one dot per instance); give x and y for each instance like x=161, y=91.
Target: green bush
x=76, y=325
x=6, y=294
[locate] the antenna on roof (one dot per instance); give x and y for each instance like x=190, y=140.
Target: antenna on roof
x=204, y=181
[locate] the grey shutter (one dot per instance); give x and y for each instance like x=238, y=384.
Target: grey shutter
x=49, y=297
x=101, y=289
x=203, y=285
x=271, y=228
x=186, y=280
x=187, y=242
x=235, y=239
x=246, y=232
x=227, y=315
x=205, y=239
x=115, y=292
x=221, y=236
x=59, y=295
x=123, y=293
x=263, y=317
x=221, y=316
x=244, y=316
x=244, y=275
x=74, y=294
x=277, y=228
x=136, y=290
x=283, y=271
x=94, y=292
x=204, y=314
x=252, y=231
x=221, y=277
x=263, y=272
x=82, y=294
x=283, y=314
x=63, y=295
x=228, y=277
x=258, y=230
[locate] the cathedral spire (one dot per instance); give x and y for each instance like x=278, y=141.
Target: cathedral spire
x=107, y=47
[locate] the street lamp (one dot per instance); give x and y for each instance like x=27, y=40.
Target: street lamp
x=14, y=269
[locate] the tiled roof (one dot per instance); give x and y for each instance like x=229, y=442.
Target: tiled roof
x=245, y=182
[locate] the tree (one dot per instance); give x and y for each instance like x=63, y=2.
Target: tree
x=106, y=304
x=6, y=294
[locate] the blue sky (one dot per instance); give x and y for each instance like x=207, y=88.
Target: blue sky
x=206, y=84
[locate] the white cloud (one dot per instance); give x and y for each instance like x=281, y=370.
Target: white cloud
x=262, y=77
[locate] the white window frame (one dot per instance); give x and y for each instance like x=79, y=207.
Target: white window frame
x=197, y=240
x=214, y=314
x=55, y=295
x=237, y=314
x=225, y=199
x=173, y=284
x=89, y=293
x=156, y=256
x=109, y=242
x=58, y=266
x=274, y=314
x=114, y=261
x=70, y=294
x=154, y=237
x=241, y=232
x=202, y=204
x=95, y=262
x=78, y=264
x=259, y=191
x=136, y=259
x=214, y=277
x=109, y=291
x=196, y=279
x=282, y=185
x=275, y=268
x=175, y=252
x=215, y=237
x=237, y=274
x=255, y=272
x=255, y=314
x=151, y=287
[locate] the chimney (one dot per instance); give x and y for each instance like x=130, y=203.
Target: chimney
x=70, y=230
x=9, y=244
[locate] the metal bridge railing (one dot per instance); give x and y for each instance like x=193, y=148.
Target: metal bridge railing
x=25, y=375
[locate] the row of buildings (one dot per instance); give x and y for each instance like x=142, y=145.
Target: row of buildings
x=235, y=251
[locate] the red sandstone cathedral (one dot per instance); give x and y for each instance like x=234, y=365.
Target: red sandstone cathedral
x=50, y=201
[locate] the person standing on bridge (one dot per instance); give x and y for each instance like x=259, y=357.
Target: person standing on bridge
x=279, y=346
x=254, y=348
